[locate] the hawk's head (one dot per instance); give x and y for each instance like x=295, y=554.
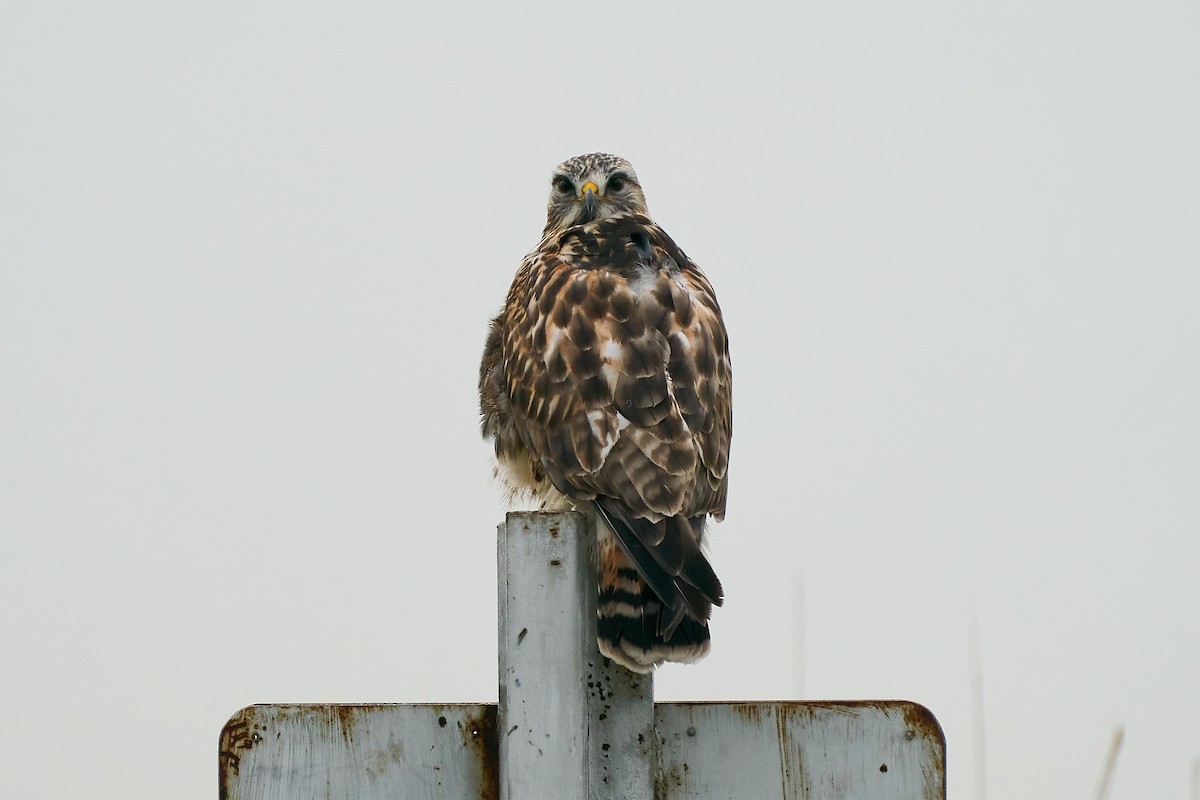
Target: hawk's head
x=591, y=187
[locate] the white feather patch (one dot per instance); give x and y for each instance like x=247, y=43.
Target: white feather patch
x=552, y=340
x=644, y=280
x=613, y=357
x=605, y=432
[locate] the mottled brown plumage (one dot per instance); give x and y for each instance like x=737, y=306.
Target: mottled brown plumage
x=606, y=384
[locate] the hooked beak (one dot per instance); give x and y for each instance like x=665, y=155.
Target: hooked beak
x=589, y=191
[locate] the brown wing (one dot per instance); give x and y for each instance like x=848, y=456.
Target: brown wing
x=617, y=371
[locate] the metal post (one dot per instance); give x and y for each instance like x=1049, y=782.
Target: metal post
x=571, y=725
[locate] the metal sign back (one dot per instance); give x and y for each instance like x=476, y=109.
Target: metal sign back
x=891, y=750
x=359, y=752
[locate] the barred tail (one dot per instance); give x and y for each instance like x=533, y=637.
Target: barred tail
x=656, y=592
x=629, y=621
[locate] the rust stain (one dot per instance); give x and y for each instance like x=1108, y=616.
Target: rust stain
x=347, y=719
x=751, y=712
x=479, y=733
x=236, y=737
x=382, y=760
x=849, y=708
x=920, y=719
x=920, y=722
x=670, y=783
x=793, y=777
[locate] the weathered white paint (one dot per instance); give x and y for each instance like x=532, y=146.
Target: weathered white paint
x=570, y=727
x=571, y=724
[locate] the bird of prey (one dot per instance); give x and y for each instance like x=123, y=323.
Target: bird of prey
x=606, y=387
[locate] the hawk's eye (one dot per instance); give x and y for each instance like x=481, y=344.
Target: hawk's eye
x=564, y=185
x=616, y=183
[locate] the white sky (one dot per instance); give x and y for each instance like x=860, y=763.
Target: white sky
x=248, y=253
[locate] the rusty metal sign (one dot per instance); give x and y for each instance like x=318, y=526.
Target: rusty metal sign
x=890, y=750
x=767, y=751
x=359, y=752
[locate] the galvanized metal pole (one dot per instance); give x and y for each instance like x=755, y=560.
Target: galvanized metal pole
x=571, y=725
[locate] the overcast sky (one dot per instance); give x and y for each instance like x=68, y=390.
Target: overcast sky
x=248, y=252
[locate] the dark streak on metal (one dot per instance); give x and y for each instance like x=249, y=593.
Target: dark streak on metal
x=669, y=784
x=479, y=733
x=792, y=781
x=781, y=740
x=236, y=737
x=920, y=720
x=346, y=716
x=751, y=712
